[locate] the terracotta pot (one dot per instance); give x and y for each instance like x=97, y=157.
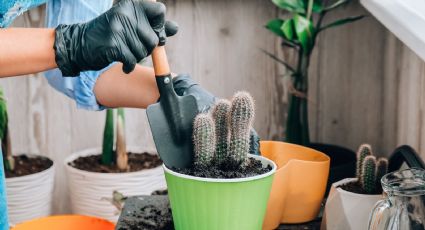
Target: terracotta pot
x=299, y=184
x=347, y=210
x=90, y=192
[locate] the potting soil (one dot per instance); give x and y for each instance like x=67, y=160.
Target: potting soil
x=136, y=161
x=25, y=165
x=253, y=167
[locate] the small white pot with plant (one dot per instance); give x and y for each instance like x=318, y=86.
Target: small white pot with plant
x=29, y=178
x=99, y=178
x=351, y=200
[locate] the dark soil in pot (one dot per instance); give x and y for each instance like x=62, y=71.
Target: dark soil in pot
x=253, y=168
x=355, y=187
x=28, y=164
x=343, y=162
x=136, y=161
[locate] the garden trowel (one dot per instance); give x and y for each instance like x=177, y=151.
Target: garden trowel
x=171, y=119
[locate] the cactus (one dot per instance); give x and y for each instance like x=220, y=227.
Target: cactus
x=381, y=170
x=204, y=139
x=364, y=151
x=368, y=176
x=241, y=118
x=211, y=133
x=220, y=114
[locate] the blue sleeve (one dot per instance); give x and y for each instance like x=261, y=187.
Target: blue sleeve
x=3, y=205
x=69, y=12
x=11, y=9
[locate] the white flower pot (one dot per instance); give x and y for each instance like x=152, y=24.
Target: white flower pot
x=30, y=196
x=347, y=210
x=90, y=192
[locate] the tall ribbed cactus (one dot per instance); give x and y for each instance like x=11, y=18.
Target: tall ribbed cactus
x=364, y=151
x=204, y=139
x=241, y=119
x=220, y=114
x=368, y=176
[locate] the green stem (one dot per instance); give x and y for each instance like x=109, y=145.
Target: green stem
x=108, y=139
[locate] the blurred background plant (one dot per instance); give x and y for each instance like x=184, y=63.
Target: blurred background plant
x=8, y=160
x=299, y=32
x=119, y=156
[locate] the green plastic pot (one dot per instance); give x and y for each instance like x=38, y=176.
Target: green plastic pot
x=219, y=204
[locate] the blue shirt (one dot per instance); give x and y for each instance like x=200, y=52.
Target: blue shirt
x=78, y=88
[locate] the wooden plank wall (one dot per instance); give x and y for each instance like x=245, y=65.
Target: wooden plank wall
x=365, y=85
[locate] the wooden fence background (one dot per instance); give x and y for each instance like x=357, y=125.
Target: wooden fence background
x=365, y=85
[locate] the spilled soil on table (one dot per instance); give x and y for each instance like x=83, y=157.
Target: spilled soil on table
x=136, y=162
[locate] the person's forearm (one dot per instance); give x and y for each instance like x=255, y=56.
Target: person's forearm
x=26, y=51
x=138, y=89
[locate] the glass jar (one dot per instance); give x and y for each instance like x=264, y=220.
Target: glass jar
x=404, y=204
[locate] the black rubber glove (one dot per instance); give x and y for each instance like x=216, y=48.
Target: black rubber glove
x=184, y=85
x=127, y=33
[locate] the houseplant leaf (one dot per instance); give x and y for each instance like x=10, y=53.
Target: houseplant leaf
x=275, y=25
x=341, y=22
x=296, y=6
x=304, y=30
x=317, y=5
x=288, y=29
x=108, y=138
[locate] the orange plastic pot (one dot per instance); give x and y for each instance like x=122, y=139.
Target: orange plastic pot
x=69, y=222
x=299, y=184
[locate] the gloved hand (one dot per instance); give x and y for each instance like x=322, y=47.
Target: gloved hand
x=127, y=33
x=184, y=85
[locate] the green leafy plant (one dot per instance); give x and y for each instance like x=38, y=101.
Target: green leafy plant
x=370, y=170
x=223, y=136
x=300, y=32
x=8, y=160
x=117, y=135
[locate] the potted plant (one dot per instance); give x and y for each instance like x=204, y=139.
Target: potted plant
x=351, y=200
x=226, y=188
x=29, y=178
x=299, y=33
x=98, y=173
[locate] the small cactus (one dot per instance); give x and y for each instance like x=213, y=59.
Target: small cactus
x=241, y=118
x=364, y=151
x=368, y=176
x=220, y=114
x=381, y=170
x=204, y=139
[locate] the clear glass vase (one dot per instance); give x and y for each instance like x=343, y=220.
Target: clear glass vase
x=404, y=204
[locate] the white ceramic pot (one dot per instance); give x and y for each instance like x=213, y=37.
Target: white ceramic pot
x=347, y=210
x=30, y=196
x=91, y=192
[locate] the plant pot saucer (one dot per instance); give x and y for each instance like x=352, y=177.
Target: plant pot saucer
x=134, y=205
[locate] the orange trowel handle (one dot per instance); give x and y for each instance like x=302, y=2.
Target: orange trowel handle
x=160, y=61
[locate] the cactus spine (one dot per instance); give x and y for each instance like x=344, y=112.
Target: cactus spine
x=220, y=114
x=204, y=139
x=364, y=151
x=211, y=133
x=368, y=176
x=241, y=118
